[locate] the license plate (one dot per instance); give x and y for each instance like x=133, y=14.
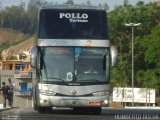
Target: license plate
x=94, y=103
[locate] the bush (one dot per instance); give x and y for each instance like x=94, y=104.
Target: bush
x=158, y=101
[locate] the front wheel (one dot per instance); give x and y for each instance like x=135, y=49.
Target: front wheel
x=93, y=110
x=96, y=110
x=35, y=106
x=41, y=109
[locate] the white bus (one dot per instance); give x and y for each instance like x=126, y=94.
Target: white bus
x=72, y=58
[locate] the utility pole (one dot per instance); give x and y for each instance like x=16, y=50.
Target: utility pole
x=132, y=25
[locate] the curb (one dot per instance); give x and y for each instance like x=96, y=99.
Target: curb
x=145, y=107
x=133, y=108
x=7, y=109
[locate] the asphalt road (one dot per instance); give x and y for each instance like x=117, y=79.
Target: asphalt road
x=69, y=114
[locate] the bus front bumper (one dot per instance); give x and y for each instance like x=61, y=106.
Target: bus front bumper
x=56, y=101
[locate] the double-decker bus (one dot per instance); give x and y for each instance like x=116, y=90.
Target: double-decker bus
x=72, y=58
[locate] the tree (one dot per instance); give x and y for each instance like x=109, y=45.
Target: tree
x=32, y=13
x=1, y=5
x=4, y=45
x=11, y=58
x=1, y=14
x=70, y=2
x=140, y=75
x=148, y=80
x=126, y=2
x=152, y=52
x=146, y=42
x=105, y=6
x=140, y=3
x=88, y=2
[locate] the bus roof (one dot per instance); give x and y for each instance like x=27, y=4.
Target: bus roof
x=69, y=6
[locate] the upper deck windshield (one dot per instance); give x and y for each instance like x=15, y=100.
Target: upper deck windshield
x=72, y=24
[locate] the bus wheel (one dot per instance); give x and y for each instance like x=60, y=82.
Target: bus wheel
x=35, y=106
x=49, y=109
x=96, y=110
x=41, y=109
x=76, y=108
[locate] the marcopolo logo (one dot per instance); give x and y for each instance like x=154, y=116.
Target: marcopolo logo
x=74, y=17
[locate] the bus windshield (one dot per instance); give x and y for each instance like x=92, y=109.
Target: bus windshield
x=78, y=65
x=72, y=24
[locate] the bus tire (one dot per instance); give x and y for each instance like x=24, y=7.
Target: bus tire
x=41, y=109
x=96, y=110
x=49, y=109
x=35, y=107
x=76, y=108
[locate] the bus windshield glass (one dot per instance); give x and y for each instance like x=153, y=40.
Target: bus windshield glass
x=72, y=24
x=78, y=65
x=92, y=65
x=56, y=63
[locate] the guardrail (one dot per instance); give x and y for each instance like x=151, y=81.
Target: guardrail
x=24, y=74
x=22, y=93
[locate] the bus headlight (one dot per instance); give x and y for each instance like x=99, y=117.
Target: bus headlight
x=47, y=92
x=102, y=93
x=106, y=102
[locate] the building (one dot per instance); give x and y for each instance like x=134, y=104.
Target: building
x=21, y=74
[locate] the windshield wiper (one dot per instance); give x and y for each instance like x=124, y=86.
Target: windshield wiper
x=56, y=78
x=97, y=80
x=91, y=80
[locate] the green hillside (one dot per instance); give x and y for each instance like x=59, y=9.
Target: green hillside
x=13, y=42
x=9, y=35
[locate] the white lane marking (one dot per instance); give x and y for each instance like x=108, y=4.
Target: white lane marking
x=18, y=111
x=12, y=116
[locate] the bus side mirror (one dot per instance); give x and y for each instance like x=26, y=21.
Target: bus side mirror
x=34, y=57
x=114, y=56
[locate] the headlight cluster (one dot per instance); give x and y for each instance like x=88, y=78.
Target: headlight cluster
x=102, y=93
x=47, y=92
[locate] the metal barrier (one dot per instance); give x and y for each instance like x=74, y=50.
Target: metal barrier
x=22, y=93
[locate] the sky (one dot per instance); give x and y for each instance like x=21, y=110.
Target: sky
x=111, y=3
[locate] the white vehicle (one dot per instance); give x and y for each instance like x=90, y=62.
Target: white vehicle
x=72, y=58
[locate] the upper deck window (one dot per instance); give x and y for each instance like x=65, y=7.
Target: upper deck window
x=72, y=24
